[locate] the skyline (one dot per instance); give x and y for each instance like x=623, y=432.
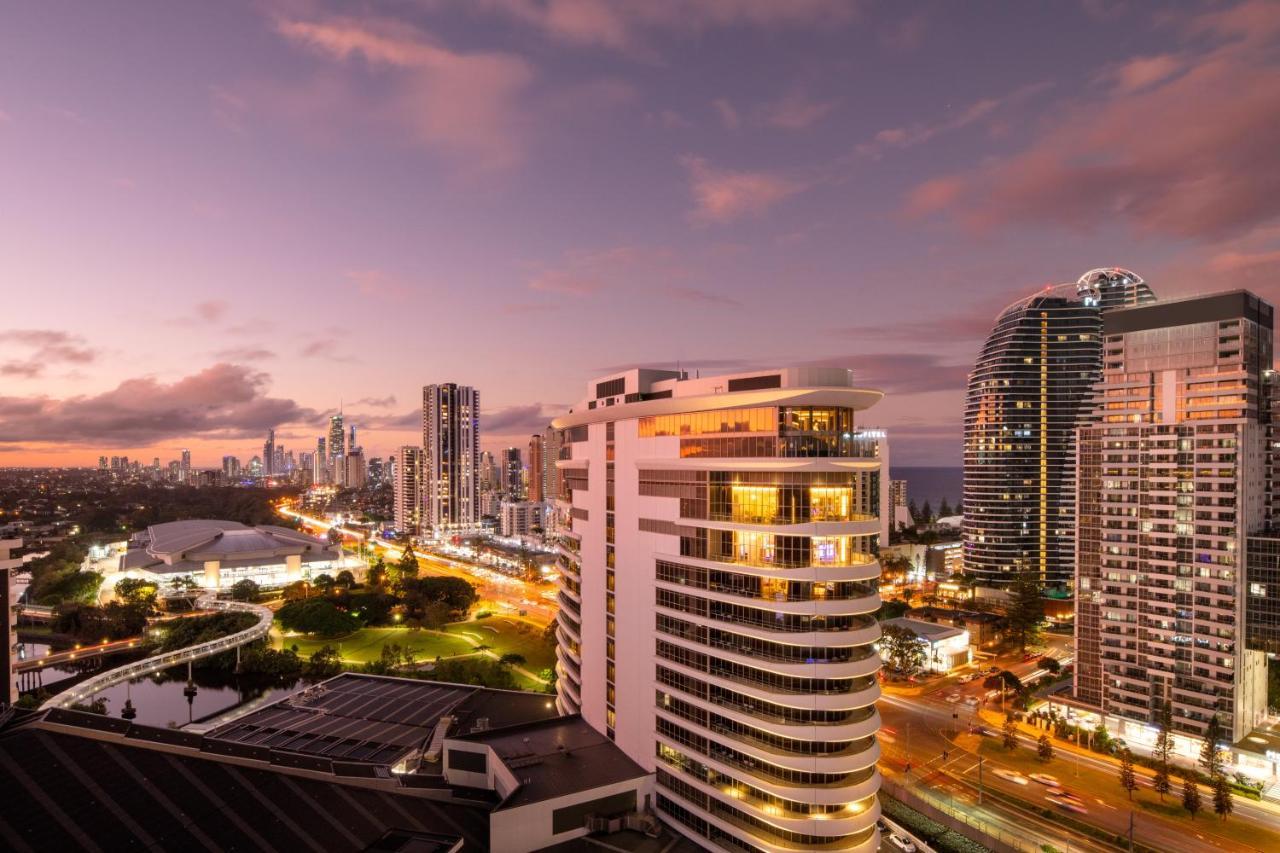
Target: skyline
x=234, y=205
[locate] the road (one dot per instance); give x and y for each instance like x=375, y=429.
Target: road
x=78, y=653
x=501, y=591
x=921, y=727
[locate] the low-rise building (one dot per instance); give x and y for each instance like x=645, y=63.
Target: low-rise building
x=946, y=647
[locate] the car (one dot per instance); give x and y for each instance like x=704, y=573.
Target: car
x=971, y=701
x=1011, y=776
x=1060, y=793
x=1045, y=779
x=906, y=845
x=1070, y=806
x=953, y=698
x=967, y=677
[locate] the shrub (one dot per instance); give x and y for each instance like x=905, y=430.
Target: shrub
x=317, y=616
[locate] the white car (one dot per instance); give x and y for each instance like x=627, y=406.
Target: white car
x=1045, y=779
x=906, y=845
x=953, y=698
x=1011, y=776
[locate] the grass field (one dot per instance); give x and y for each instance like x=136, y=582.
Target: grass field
x=366, y=644
x=506, y=634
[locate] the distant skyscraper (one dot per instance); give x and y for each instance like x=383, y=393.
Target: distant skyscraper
x=407, y=489
x=269, y=453
x=551, y=445
x=336, y=437
x=102, y=463
x=351, y=439
x=512, y=474
x=537, y=468
x=900, y=511
x=230, y=467
x=1026, y=394
x=1172, y=476
x=185, y=468
x=451, y=448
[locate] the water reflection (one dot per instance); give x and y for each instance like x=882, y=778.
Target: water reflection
x=160, y=701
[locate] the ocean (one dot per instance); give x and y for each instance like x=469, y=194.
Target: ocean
x=931, y=484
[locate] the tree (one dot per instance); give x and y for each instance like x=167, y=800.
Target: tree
x=1010, y=731
x=512, y=659
x=926, y=513
x=347, y=579
x=1210, y=756
x=1026, y=611
x=296, y=591
x=323, y=582
x=1003, y=680
x=1128, y=780
x=1045, y=748
x=245, y=590
x=914, y=510
x=901, y=649
x=1190, y=795
x=944, y=509
x=316, y=616
x=1163, y=749
x=324, y=662
x=1222, y=805
x=1051, y=665
x=137, y=591
x=406, y=566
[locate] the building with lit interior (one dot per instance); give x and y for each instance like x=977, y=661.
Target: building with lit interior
x=1028, y=391
x=946, y=647
x=9, y=601
x=217, y=554
x=450, y=458
x=1171, y=478
x=728, y=524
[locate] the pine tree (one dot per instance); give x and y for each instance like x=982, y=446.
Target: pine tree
x=1222, y=805
x=1045, y=748
x=1026, y=611
x=914, y=510
x=926, y=513
x=1163, y=748
x=407, y=565
x=944, y=509
x=1210, y=757
x=1190, y=795
x=1128, y=780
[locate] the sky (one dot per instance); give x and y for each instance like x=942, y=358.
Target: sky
x=217, y=218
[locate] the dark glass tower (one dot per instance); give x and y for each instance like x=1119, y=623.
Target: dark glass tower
x=1032, y=383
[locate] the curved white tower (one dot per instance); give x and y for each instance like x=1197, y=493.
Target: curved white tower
x=717, y=593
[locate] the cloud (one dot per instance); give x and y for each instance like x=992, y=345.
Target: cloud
x=722, y=196
x=326, y=348
x=378, y=402
x=905, y=34
x=921, y=132
x=46, y=347
x=901, y=373
x=625, y=26
x=1195, y=155
x=796, y=111
x=585, y=272
x=222, y=401
x=467, y=105
x=693, y=294
x=973, y=323
x=244, y=354
x=727, y=113
x=519, y=420
x=1139, y=73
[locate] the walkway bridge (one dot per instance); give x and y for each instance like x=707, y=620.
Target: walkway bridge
x=87, y=688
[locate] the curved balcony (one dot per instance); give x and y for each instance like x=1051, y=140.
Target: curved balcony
x=854, y=785
x=865, y=634
x=567, y=686
x=861, y=814
x=860, y=694
x=858, y=606
x=855, y=525
x=571, y=626
x=568, y=664
x=866, y=841
x=868, y=570
x=855, y=755
x=564, y=641
x=568, y=601
x=863, y=722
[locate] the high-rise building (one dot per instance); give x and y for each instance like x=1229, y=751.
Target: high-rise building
x=320, y=463
x=184, y=469
x=408, y=489
x=230, y=467
x=9, y=620
x=451, y=454
x=1027, y=393
x=1171, y=478
x=337, y=446
x=269, y=453
x=512, y=473
x=102, y=463
x=899, y=504
x=721, y=548
x=519, y=518
x=537, y=469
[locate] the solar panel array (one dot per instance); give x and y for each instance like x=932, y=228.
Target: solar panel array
x=350, y=718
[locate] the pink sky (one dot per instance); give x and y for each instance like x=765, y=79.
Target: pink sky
x=220, y=218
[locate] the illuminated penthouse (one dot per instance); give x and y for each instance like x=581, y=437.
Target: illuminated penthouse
x=718, y=585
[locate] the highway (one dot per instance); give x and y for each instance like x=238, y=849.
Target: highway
x=499, y=590
x=78, y=653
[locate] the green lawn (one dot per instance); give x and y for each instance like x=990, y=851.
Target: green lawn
x=504, y=634
x=366, y=644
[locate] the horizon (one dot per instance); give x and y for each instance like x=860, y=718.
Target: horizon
x=209, y=242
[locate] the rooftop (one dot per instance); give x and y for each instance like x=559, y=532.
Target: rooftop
x=373, y=719
x=555, y=757
x=186, y=545
x=931, y=631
